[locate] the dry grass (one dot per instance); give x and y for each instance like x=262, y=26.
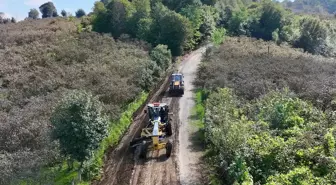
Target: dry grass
x=245, y=65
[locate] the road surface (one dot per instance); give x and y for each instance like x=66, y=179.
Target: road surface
x=189, y=153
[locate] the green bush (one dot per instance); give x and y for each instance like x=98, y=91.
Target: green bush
x=93, y=167
x=218, y=36
x=269, y=140
x=79, y=125
x=162, y=56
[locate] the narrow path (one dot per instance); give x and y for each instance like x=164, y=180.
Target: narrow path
x=189, y=154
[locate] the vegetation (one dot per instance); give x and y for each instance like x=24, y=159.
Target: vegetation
x=270, y=21
x=156, y=23
x=64, y=13
x=79, y=125
x=33, y=13
x=80, y=13
x=48, y=10
x=41, y=60
x=269, y=117
x=4, y=20
x=312, y=6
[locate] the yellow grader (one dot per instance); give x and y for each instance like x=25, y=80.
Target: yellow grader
x=154, y=136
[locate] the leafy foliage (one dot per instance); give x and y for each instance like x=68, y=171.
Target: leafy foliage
x=33, y=13
x=268, y=141
x=253, y=67
x=268, y=20
x=312, y=6
x=263, y=124
x=64, y=13
x=157, y=22
x=79, y=125
x=42, y=60
x=48, y=10
x=80, y=13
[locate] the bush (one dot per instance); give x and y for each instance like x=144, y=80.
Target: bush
x=162, y=56
x=79, y=125
x=244, y=146
x=218, y=36
x=253, y=68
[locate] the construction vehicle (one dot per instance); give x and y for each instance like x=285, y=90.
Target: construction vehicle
x=154, y=136
x=159, y=112
x=176, y=85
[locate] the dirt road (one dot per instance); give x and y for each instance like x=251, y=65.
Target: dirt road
x=189, y=153
x=120, y=166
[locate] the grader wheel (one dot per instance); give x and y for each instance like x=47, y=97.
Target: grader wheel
x=169, y=128
x=169, y=148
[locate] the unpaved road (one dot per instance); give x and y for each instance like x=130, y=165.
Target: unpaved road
x=189, y=153
x=121, y=168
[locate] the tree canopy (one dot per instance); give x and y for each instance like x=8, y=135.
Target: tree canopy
x=80, y=13
x=48, y=10
x=79, y=125
x=33, y=13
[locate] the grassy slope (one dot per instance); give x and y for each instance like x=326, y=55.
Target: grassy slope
x=40, y=61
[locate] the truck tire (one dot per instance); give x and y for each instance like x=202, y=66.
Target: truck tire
x=169, y=148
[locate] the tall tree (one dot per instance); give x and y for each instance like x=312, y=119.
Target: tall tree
x=33, y=13
x=13, y=20
x=172, y=29
x=64, y=13
x=48, y=10
x=119, y=15
x=80, y=13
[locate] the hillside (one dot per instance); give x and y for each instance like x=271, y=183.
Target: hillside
x=268, y=114
x=312, y=6
x=41, y=60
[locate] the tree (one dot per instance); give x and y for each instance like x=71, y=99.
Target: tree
x=55, y=14
x=195, y=14
x=270, y=20
x=48, y=10
x=144, y=29
x=142, y=12
x=313, y=35
x=105, y=2
x=210, y=18
x=13, y=20
x=80, y=13
x=177, y=5
x=119, y=15
x=64, y=13
x=79, y=125
x=162, y=56
x=33, y=13
x=172, y=29
x=100, y=15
